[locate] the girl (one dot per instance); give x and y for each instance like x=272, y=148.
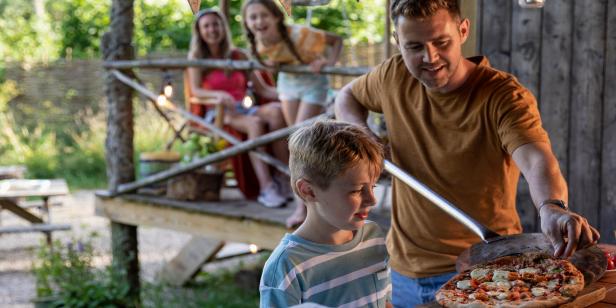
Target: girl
x=211, y=40
x=273, y=43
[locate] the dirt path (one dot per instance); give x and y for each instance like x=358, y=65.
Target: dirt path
x=17, y=251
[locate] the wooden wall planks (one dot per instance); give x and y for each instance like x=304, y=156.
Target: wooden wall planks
x=586, y=101
x=608, y=156
x=565, y=54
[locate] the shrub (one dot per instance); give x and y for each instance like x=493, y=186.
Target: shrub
x=67, y=274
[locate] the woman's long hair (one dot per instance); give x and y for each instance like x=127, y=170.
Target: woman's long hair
x=198, y=47
x=282, y=28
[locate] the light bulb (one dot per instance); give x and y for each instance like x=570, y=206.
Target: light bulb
x=531, y=4
x=247, y=102
x=161, y=100
x=168, y=90
x=253, y=248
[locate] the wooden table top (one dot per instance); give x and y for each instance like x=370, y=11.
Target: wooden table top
x=32, y=188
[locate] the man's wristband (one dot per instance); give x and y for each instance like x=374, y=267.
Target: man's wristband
x=560, y=203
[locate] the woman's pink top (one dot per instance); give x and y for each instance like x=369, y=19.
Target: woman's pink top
x=232, y=82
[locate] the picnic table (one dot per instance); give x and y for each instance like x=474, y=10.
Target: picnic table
x=12, y=193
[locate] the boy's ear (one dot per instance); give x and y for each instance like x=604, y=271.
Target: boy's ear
x=305, y=190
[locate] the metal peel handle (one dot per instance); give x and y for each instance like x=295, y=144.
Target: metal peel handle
x=482, y=231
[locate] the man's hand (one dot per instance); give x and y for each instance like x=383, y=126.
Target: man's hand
x=568, y=231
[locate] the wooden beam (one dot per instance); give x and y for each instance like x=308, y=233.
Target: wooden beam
x=187, y=263
x=229, y=64
x=35, y=228
x=15, y=209
x=236, y=229
x=117, y=44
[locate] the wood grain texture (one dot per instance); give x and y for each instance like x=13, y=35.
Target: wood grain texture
x=590, y=295
x=237, y=229
x=586, y=105
x=187, y=263
x=607, y=223
x=496, y=32
x=555, y=74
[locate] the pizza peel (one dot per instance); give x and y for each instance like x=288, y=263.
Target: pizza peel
x=590, y=261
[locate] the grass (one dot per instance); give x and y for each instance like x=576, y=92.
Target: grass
x=217, y=289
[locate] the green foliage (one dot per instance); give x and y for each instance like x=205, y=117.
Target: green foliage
x=198, y=146
x=81, y=24
x=73, y=28
x=80, y=156
x=26, y=34
x=218, y=289
x=67, y=274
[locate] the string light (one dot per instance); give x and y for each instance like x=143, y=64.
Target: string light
x=167, y=88
x=248, y=102
x=161, y=100
x=531, y=4
x=253, y=248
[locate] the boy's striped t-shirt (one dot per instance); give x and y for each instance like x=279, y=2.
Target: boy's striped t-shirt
x=354, y=274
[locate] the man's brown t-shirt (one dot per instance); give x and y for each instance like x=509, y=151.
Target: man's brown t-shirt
x=460, y=145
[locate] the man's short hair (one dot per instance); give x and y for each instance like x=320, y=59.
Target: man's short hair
x=423, y=8
x=324, y=150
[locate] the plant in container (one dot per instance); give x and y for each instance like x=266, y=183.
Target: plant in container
x=203, y=184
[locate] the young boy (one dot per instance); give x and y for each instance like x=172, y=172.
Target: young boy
x=336, y=257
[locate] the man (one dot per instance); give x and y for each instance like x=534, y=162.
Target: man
x=464, y=129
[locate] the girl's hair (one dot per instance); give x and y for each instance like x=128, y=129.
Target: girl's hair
x=198, y=47
x=282, y=28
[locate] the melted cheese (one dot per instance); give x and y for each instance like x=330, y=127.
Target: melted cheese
x=537, y=291
x=479, y=273
x=530, y=270
x=463, y=284
x=502, y=295
x=500, y=275
x=503, y=285
x=552, y=284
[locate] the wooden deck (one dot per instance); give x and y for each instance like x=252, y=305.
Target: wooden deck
x=232, y=219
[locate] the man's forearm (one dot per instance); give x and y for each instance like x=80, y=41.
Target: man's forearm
x=540, y=168
x=348, y=109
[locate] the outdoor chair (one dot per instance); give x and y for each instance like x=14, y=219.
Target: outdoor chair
x=242, y=167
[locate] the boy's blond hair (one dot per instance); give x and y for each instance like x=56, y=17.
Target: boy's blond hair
x=326, y=149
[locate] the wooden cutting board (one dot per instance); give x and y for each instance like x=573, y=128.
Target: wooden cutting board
x=590, y=295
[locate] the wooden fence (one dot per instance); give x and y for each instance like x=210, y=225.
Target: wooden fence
x=565, y=54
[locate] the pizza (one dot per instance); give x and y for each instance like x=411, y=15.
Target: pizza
x=525, y=280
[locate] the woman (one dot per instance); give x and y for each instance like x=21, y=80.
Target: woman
x=211, y=40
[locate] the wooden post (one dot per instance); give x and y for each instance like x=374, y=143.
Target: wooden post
x=387, y=35
x=117, y=45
